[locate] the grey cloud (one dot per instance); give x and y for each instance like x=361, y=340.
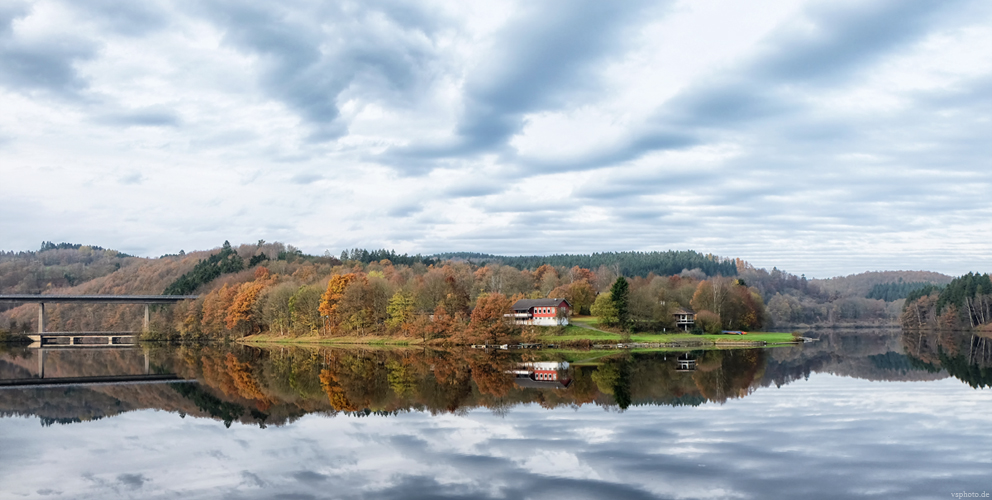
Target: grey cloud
x=771, y=89
x=305, y=178
x=547, y=57
x=127, y=18
x=476, y=188
x=312, y=54
x=252, y=480
x=143, y=117
x=45, y=65
x=405, y=210
x=843, y=40
x=132, y=481
x=309, y=477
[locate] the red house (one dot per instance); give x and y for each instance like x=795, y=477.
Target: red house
x=541, y=312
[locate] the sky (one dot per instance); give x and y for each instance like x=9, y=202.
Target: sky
x=823, y=438
x=820, y=137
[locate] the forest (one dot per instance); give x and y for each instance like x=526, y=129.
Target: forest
x=276, y=288
x=965, y=302
x=624, y=263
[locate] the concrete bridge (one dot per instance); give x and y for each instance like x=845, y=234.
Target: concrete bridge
x=41, y=300
x=41, y=382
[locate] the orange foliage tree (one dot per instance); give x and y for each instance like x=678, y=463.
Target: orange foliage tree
x=488, y=320
x=240, y=313
x=335, y=290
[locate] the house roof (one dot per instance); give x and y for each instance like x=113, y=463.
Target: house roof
x=526, y=304
x=682, y=310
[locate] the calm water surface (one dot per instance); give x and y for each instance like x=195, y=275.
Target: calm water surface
x=870, y=414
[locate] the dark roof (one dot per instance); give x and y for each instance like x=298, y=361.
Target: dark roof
x=529, y=383
x=682, y=310
x=525, y=304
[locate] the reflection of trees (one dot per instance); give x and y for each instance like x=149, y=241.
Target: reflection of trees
x=728, y=374
x=964, y=354
x=279, y=385
x=276, y=386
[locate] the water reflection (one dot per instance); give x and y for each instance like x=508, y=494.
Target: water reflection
x=273, y=386
x=412, y=423
x=966, y=355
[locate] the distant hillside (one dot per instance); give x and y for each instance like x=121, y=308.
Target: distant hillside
x=861, y=285
x=630, y=263
x=57, y=266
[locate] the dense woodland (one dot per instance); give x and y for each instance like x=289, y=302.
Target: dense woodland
x=623, y=263
x=276, y=288
x=964, y=303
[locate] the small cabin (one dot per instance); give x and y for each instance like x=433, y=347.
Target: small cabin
x=541, y=312
x=684, y=319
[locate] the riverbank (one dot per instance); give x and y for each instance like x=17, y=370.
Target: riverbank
x=570, y=337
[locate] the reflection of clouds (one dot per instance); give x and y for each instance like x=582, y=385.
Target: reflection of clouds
x=825, y=438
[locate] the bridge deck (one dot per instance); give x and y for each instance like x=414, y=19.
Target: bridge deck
x=97, y=299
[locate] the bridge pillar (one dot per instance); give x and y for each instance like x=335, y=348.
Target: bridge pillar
x=41, y=317
x=41, y=363
x=145, y=325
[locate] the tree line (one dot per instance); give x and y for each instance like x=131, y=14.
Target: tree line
x=626, y=263
x=966, y=302
x=456, y=302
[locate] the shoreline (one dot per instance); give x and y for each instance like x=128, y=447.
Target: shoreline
x=595, y=339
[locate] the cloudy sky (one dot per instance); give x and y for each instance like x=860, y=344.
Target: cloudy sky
x=820, y=137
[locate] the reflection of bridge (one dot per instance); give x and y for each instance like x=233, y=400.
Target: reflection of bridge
x=61, y=382
x=75, y=339
x=110, y=337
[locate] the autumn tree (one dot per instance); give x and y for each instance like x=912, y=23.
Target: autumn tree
x=240, y=315
x=304, y=308
x=400, y=309
x=273, y=306
x=604, y=309
x=330, y=298
x=363, y=306
x=488, y=318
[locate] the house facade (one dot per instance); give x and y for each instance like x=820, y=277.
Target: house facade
x=684, y=319
x=541, y=312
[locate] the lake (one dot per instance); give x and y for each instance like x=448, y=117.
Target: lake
x=856, y=414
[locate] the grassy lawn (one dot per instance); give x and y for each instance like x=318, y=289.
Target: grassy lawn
x=264, y=338
x=582, y=328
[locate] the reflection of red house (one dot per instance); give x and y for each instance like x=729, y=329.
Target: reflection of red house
x=541, y=312
x=542, y=374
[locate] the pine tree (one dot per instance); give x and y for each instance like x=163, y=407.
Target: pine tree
x=620, y=295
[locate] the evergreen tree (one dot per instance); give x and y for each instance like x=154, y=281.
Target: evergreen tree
x=620, y=295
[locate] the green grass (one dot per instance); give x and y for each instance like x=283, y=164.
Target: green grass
x=266, y=338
